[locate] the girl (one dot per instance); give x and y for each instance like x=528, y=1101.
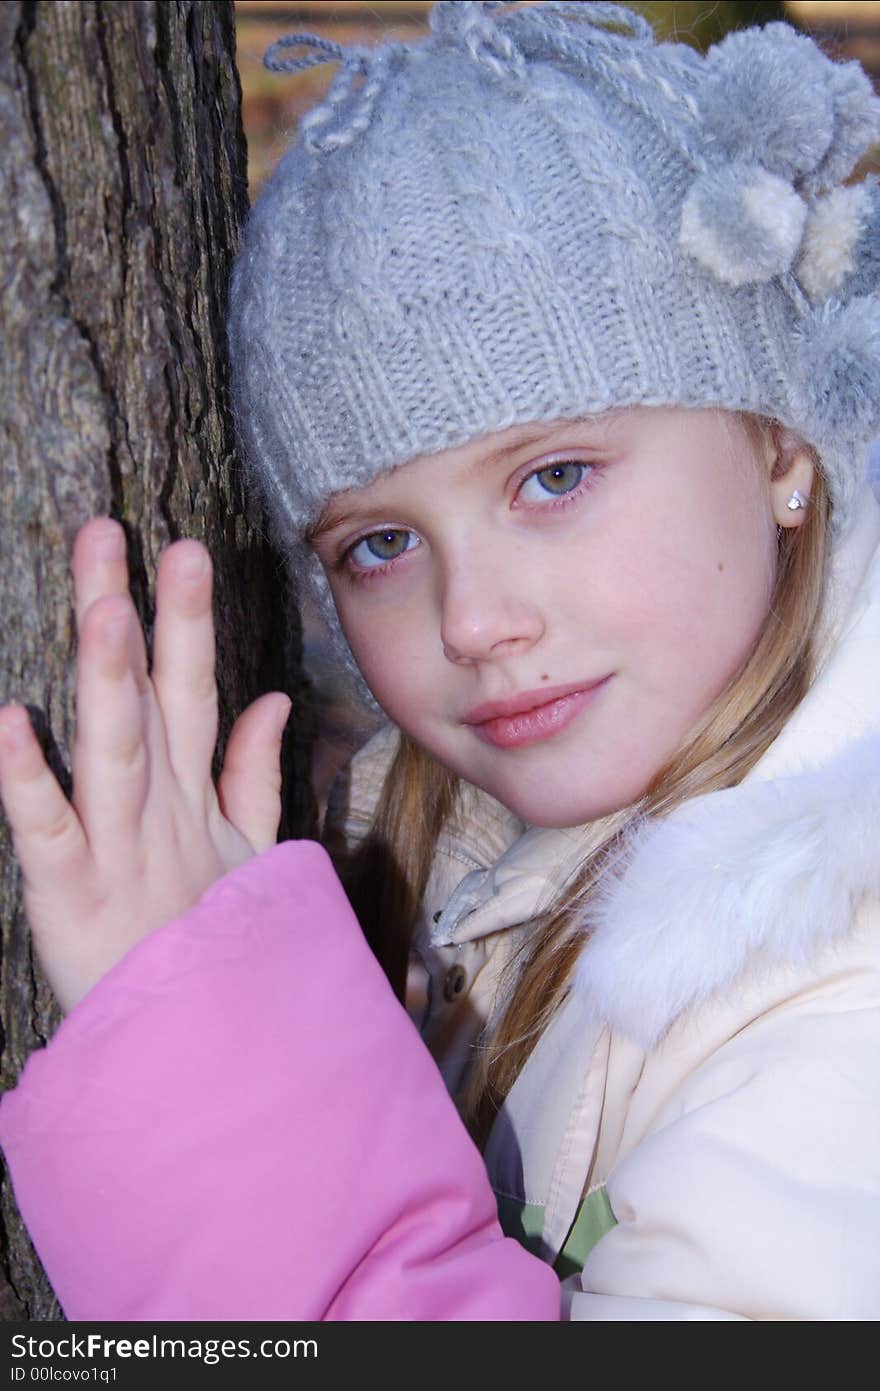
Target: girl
x=556, y=358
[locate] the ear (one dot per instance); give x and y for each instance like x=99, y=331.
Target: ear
x=792, y=463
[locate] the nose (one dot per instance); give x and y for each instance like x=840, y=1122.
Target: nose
x=489, y=608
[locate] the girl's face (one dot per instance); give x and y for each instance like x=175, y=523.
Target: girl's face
x=548, y=610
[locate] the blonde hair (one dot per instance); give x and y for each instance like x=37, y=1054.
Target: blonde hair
x=387, y=876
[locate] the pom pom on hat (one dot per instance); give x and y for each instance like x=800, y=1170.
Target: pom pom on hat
x=834, y=388
x=856, y=125
x=782, y=123
x=769, y=99
x=742, y=223
x=840, y=256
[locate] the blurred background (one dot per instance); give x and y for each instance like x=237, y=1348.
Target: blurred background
x=273, y=104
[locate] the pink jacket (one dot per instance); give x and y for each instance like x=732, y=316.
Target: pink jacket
x=240, y=1122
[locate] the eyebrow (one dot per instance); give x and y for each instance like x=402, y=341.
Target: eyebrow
x=327, y=523
x=526, y=436
x=524, y=439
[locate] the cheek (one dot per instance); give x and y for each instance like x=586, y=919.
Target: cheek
x=387, y=652
x=690, y=602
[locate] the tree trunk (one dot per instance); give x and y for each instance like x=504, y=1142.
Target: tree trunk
x=123, y=171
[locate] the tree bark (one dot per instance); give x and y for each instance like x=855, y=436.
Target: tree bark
x=122, y=190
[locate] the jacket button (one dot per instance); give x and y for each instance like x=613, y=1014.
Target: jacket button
x=454, y=984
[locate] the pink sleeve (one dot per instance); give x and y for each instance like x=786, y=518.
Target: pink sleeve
x=240, y=1122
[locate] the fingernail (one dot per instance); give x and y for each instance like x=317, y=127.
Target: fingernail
x=109, y=543
x=191, y=564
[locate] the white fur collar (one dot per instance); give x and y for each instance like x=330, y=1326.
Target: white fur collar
x=764, y=872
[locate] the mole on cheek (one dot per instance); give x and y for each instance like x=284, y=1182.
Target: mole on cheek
x=545, y=676
x=720, y=566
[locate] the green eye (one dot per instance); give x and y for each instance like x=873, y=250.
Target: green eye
x=553, y=481
x=381, y=546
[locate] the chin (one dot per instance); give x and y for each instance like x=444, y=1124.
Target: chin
x=544, y=805
x=555, y=813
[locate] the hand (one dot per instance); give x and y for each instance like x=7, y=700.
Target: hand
x=146, y=831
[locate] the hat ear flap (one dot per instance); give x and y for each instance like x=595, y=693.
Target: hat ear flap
x=840, y=255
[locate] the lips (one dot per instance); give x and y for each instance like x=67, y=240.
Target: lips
x=525, y=701
x=531, y=716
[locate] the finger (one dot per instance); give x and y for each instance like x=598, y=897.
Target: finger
x=249, y=788
x=98, y=564
x=183, y=663
x=48, y=837
x=99, y=569
x=111, y=761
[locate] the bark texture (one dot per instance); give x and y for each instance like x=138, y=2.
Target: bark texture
x=122, y=189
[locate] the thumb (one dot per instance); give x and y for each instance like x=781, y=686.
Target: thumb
x=249, y=787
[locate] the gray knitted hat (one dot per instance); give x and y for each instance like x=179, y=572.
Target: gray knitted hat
x=538, y=213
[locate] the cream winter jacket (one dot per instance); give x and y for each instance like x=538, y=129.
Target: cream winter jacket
x=697, y=1135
